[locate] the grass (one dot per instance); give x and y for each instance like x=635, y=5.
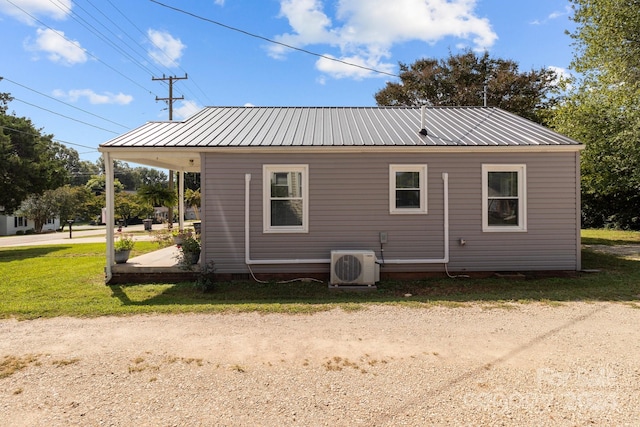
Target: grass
x=68, y=280
x=610, y=237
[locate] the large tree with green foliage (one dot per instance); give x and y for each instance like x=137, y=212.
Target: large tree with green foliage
x=460, y=80
x=607, y=38
x=83, y=172
x=602, y=110
x=30, y=162
x=70, y=203
x=128, y=206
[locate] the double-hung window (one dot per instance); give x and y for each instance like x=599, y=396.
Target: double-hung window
x=408, y=189
x=504, y=198
x=286, y=198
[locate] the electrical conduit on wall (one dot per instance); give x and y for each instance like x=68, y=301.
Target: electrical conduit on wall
x=247, y=242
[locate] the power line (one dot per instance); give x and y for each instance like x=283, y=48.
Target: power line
x=53, y=139
x=107, y=40
x=146, y=36
x=76, y=44
x=247, y=33
x=66, y=117
x=62, y=102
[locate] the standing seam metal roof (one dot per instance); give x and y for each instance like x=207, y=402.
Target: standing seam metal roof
x=342, y=126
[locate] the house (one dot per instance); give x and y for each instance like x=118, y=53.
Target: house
x=457, y=189
x=14, y=224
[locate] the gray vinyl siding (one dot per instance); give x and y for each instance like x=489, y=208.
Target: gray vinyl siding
x=349, y=207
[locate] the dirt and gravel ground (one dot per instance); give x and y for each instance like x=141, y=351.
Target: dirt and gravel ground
x=534, y=364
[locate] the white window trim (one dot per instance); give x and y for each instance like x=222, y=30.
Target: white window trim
x=266, y=198
x=522, y=197
x=422, y=169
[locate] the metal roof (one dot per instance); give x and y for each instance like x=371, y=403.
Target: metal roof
x=363, y=128
x=342, y=126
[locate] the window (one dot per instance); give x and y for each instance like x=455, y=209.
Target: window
x=408, y=189
x=286, y=198
x=504, y=201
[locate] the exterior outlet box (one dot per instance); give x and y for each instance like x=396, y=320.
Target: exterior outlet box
x=384, y=237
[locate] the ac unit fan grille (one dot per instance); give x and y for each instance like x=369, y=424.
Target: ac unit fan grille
x=348, y=268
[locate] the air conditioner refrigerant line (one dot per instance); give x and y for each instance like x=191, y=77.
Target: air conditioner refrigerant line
x=247, y=240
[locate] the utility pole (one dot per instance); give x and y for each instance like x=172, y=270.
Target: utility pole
x=170, y=100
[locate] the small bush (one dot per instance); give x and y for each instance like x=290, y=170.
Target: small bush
x=20, y=233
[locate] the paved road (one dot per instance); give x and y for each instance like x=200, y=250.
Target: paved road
x=80, y=234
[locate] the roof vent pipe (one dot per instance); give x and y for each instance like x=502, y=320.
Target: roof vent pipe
x=423, y=120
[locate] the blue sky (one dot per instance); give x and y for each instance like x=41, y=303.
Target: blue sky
x=82, y=70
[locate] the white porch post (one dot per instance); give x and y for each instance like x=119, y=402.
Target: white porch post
x=181, y=199
x=109, y=191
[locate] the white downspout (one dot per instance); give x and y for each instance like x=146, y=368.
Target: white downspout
x=247, y=247
x=109, y=191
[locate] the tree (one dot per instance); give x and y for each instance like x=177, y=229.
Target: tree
x=85, y=170
x=97, y=184
x=607, y=38
x=460, y=80
x=603, y=110
x=127, y=206
x=158, y=195
x=149, y=176
x=30, y=162
x=606, y=121
x=39, y=208
x=70, y=203
x=192, y=180
x=193, y=199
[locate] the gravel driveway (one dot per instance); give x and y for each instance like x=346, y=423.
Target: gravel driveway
x=531, y=364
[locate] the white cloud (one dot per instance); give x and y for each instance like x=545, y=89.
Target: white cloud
x=559, y=14
x=94, y=98
x=248, y=104
x=21, y=9
x=366, y=30
x=219, y=2
x=553, y=15
x=185, y=109
x=57, y=47
x=360, y=69
x=166, y=50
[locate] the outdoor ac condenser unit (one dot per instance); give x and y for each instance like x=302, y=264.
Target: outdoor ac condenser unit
x=354, y=267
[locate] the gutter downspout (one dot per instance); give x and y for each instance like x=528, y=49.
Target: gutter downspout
x=110, y=204
x=247, y=247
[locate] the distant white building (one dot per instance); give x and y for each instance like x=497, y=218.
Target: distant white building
x=10, y=225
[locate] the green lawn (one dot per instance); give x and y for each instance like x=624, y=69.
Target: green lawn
x=68, y=280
